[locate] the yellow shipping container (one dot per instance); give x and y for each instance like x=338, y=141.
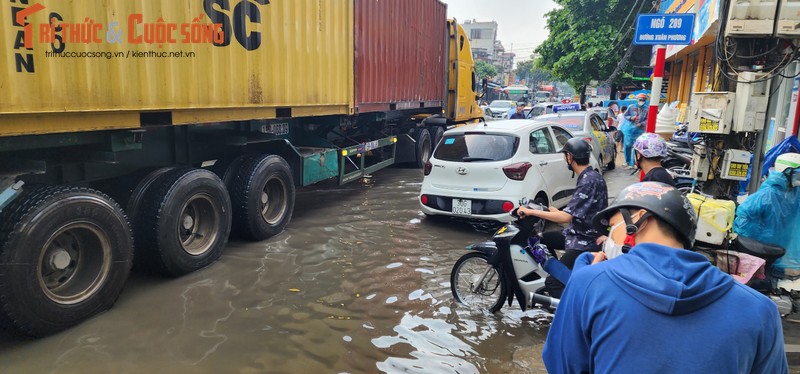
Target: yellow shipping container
x=198, y=61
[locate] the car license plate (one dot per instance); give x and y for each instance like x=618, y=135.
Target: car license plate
x=462, y=207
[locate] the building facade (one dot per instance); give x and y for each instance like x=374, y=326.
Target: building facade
x=694, y=68
x=482, y=37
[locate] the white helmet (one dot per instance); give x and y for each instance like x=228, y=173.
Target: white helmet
x=787, y=161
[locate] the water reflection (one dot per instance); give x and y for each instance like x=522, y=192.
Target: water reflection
x=431, y=344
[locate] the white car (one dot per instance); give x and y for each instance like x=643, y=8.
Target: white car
x=483, y=170
x=500, y=108
x=591, y=127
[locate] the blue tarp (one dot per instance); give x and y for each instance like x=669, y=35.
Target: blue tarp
x=788, y=145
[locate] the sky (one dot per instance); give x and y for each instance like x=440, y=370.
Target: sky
x=520, y=22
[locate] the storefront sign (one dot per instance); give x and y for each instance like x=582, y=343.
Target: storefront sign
x=665, y=29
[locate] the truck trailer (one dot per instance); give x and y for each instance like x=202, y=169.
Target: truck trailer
x=142, y=134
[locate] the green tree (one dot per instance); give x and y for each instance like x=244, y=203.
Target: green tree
x=485, y=70
x=523, y=70
x=588, y=38
x=539, y=75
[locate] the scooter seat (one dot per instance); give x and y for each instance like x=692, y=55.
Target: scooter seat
x=759, y=249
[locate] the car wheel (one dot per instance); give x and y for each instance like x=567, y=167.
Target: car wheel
x=613, y=164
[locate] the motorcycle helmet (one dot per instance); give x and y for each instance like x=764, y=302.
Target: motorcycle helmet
x=659, y=200
x=787, y=161
x=641, y=96
x=650, y=145
x=578, y=148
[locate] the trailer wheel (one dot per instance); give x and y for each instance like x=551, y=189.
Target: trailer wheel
x=263, y=195
x=135, y=198
x=227, y=170
x=65, y=254
x=182, y=222
x=423, y=139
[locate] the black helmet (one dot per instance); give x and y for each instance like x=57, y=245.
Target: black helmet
x=578, y=148
x=658, y=199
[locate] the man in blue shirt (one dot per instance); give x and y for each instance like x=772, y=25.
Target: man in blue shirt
x=589, y=198
x=518, y=112
x=659, y=307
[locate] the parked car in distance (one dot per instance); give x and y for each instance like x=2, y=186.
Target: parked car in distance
x=590, y=126
x=483, y=170
x=500, y=108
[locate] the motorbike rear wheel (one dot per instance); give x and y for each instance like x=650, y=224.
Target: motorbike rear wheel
x=477, y=284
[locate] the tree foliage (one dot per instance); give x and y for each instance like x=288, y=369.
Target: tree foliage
x=485, y=70
x=524, y=69
x=540, y=76
x=583, y=34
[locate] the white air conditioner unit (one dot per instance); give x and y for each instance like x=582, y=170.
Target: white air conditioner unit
x=789, y=19
x=751, y=17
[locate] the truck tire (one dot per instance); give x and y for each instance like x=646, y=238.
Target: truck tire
x=65, y=254
x=182, y=222
x=262, y=194
x=423, y=139
x=134, y=200
x=436, y=135
x=227, y=169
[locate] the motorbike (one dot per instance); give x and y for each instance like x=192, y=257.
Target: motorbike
x=680, y=151
x=493, y=273
x=679, y=165
x=768, y=252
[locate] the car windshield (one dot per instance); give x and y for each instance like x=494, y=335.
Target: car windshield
x=501, y=104
x=571, y=123
x=476, y=147
x=537, y=111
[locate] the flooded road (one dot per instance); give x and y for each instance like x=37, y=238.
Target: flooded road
x=359, y=282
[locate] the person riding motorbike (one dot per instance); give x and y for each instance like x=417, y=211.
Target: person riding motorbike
x=657, y=306
x=590, y=197
x=649, y=150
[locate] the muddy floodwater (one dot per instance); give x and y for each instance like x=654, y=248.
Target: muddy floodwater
x=358, y=283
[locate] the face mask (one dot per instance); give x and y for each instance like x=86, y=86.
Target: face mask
x=609, y=247
x=641, y=102
x=569, y=164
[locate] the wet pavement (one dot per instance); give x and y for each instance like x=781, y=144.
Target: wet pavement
x=359, y=283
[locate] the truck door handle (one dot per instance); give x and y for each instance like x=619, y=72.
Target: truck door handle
x=542, y=163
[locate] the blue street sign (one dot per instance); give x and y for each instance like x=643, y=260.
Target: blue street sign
x=566, y=108
x=665, y=29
